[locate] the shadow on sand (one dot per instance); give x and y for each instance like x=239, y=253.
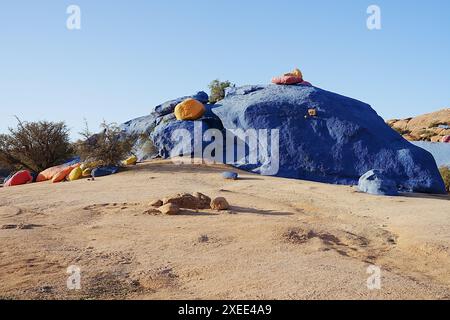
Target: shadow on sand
x=426, y=196
x=238, y=209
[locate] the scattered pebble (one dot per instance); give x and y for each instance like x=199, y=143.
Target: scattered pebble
x=219, y=203
x=46, y=289
x=204, y=200
x=156, y=203
x=196, y=201
x=169, y=209
x=183, y=200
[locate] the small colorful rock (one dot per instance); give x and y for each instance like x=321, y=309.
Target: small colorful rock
x=189, y=109
x=156, y=203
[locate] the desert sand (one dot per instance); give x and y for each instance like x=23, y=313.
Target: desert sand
x=281, y=239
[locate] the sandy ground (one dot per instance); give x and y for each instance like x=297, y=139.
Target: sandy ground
x=282, y=239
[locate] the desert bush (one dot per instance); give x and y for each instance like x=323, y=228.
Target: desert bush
x=109, y=147
x=445, y=173
x=146, y=146
x=35, y=145
x=217, y=88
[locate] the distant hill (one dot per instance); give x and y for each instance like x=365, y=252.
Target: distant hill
x=428, y=127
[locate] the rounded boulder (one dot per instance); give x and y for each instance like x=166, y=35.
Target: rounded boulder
x=219, y=203
x=228, y=175
x=378, y=183
x=189, y=109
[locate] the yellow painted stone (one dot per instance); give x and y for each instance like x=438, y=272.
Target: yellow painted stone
x=297, y=73
x=130, y=161
x=87, y=172
x=75, y=174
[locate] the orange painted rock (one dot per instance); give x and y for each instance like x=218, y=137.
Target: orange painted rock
x=60, y=176
x=49, y=173
x=189, y=109
x=312, y=112
x=287, y=80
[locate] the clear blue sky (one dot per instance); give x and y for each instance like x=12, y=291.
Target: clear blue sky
x=132, y=55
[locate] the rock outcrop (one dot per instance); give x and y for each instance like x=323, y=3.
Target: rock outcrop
x=338, y=143
x=377, y=183
x=431, y=127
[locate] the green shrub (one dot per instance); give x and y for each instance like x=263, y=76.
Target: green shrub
x=445, y=173
x=108, y=147
x=218, y=90
x=35, y=145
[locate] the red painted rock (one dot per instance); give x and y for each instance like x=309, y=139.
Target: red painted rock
x=21, y=177
x=287, y=80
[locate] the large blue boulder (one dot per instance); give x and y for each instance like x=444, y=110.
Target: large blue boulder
x=339, y=142
x=439, y=150
x=343, y=141
x=170, y=142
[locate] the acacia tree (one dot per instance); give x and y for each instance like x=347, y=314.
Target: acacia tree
x=35, y=145
x=109, y=147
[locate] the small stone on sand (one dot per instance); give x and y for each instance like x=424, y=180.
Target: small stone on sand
x=169, y=209
x=219, y=203
x=156, y=203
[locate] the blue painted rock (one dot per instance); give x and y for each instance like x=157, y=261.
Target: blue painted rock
x=346, y=139
x=169, y=142
x=149, y=127
x=104, y=171
x=378, y=183
x=228, y=175
x=440, y=151
x=169, y=106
